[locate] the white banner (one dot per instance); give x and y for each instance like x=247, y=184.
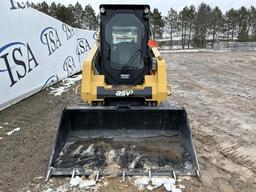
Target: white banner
x=36, y=51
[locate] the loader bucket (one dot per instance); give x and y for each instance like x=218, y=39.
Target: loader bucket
x=118, y=140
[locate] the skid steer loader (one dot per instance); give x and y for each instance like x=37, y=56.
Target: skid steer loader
x=125, y=127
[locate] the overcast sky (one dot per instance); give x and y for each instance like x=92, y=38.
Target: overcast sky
x=162, y=5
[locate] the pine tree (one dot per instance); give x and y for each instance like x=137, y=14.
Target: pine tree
x=43, y=7
x=53, y=9
x=231, y=19
x=202, y=21
x=78, y=13
x=171, y=23
x=243, y=23
x=90, y=19
x=33, y=5
x=156, y=23
x=184, y=24
x=190, y=20
x=253, y=23
x=216, y=23
x=65, y=14
x=186, y=17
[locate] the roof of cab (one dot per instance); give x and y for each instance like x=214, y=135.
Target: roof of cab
x=124, y=6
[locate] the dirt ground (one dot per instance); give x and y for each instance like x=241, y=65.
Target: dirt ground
x=218, y=89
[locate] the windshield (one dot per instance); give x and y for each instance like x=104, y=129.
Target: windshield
x=124, y=34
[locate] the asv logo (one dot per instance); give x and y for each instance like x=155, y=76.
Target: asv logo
x=68, y=30
x=69, y=65
x=49, y=36
x=82, y=46
x=17, y=59
x=124, y=93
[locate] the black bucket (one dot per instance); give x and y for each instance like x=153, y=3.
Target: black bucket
x=116, y=140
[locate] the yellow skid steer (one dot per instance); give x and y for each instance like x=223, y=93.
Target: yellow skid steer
x=126, y=126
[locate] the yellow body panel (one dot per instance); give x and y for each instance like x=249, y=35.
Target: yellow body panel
x=90, y=80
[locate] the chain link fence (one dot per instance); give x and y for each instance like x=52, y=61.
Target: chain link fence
x=235, y=46
x=219, y=46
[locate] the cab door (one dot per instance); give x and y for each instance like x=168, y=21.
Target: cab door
x=124, y=47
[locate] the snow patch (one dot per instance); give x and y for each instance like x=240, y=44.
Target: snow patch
x=49, y=190
x=11, y=132
x=64, y=85
x=83, y=184
x=181, y=186
x=87, y=184
x=159, y=181
x=143, y=182
x=6, y=123
x=74, y=181
x=180, y=51
x=1, y=127
x=1, y=138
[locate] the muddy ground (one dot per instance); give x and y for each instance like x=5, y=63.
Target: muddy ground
x=217, y=89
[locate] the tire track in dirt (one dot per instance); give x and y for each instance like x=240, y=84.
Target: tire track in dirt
x=241, y=154
x=219, y=100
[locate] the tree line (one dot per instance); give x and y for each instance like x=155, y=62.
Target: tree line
x=73, y=15
x=197, y=27
x=205, y=25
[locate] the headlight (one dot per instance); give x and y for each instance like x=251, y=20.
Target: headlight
x=146, y=10
x=102, y=10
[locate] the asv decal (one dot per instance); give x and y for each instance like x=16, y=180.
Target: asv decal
x=124, y=93
x=17, y=60
x=49, y=36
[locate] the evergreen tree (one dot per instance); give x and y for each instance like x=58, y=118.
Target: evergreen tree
x=243, y=23
x=157, y=23
x=53, y=9
x=187, y=16
x=78, y=13
x=171, y=23
x=216, y=23
x=33, y=5
x=183, y=18
x=202, y=21
x=253, y=23
x=43, y=7
x=90, y=19
x=231, y=19
x=65, y=14
x=190, y=20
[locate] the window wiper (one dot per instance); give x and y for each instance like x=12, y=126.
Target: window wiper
x=126, y=66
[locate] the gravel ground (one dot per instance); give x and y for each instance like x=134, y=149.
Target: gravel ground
x=217, y=89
